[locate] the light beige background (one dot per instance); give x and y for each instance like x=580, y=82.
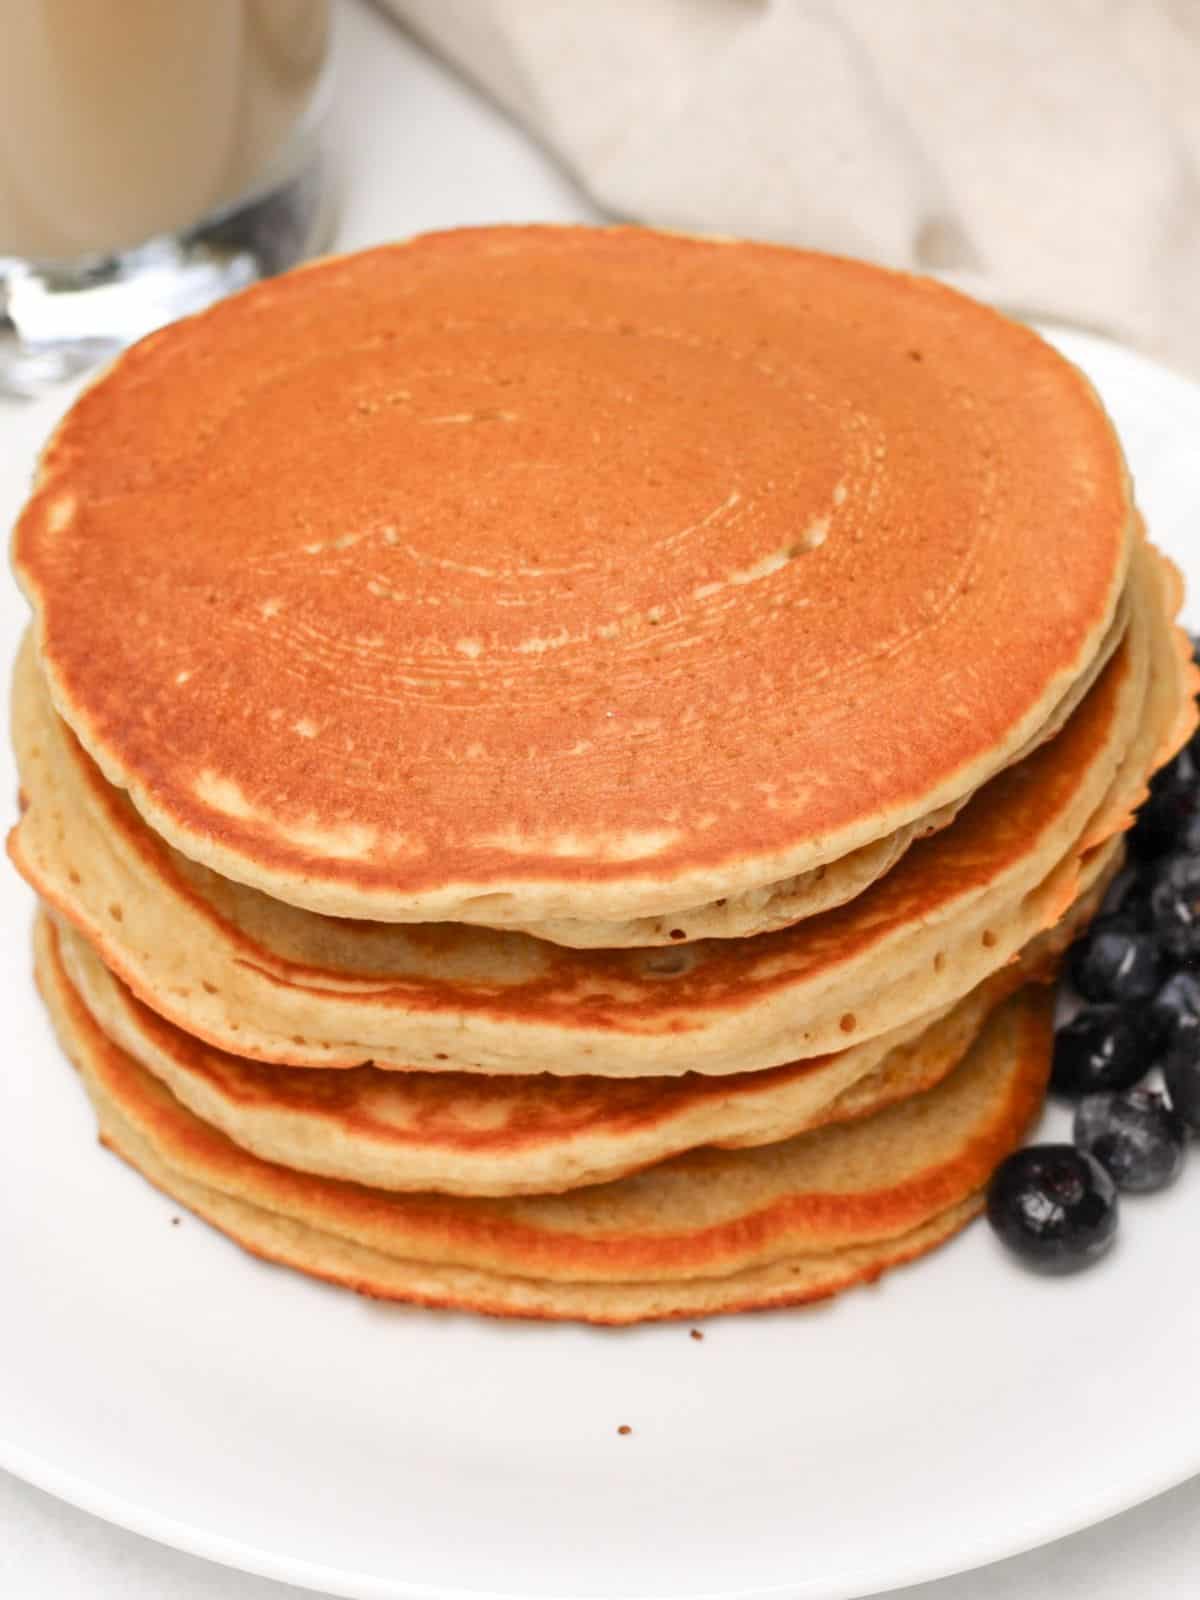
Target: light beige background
x=1046, y=156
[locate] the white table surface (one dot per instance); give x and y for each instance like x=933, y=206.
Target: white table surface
x=413, y=148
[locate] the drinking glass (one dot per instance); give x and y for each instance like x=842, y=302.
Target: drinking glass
x=154, y=155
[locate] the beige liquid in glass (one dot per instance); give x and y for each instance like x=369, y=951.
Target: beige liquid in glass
x=121, y=120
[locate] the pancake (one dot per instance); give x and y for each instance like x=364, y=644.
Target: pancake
x=779, y=905
x=269, y=982
x=475, y=1134
x=521, y=997
x=523, y=574
x=1174, y=687
x=709, y=1216
x=797, y=1280
x=776, y=905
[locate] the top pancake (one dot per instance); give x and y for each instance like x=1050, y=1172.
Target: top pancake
x=515, y=574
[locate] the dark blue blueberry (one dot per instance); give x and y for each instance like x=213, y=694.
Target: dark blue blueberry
x=1177, y=1002
x=1128, y=897
x=1177, y=777
x=1053, y=1206
x=1136, y=1137
x=1187, y=842
x=1181, y=1069
x=1164, y=816
x=1114, y=895
x=1100, y=1048
x=1115, y=961
x=1160, y=825
x=1175, y=907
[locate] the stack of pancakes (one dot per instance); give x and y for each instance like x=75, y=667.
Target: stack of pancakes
x=559, y=763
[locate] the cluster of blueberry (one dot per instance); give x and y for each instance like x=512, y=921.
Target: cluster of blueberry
x=1137, y=972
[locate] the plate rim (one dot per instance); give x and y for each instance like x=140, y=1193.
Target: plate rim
x=260, y=1561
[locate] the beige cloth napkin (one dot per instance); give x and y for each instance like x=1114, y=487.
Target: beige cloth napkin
x=1042, y=153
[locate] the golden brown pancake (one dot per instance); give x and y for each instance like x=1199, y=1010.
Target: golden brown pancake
x=271, y=982
x=484, y=1134
x=517, y=574
x=794, y=1281
x=684, y=1234
x=779, y=905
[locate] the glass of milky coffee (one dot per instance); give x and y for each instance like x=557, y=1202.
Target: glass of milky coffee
x=154, y=155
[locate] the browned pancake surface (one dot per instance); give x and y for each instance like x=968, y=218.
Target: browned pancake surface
x=485, y=1134
x=706, y=1214
x=662, y=1007
x=583, y=567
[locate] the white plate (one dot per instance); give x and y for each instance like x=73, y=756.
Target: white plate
x=959, y=1412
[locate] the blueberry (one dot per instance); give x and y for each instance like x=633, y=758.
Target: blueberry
x=1166, y=812
x=1181, y=1069
x=1175, y=907
x=1136, y=1137
x=1115, y=961
x=1114, y=895
x=1101, y=1048
x=1177, y=1002
x=1187, y=840
x=1160, y=825
x=1128, y=898
x=1178, y=776
x=1053, y=1206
